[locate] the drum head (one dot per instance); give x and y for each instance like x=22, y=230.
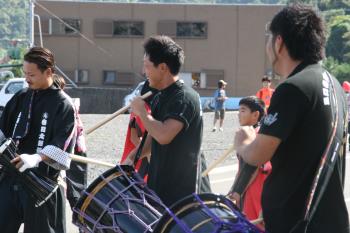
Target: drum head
x=117, y=201
x=197, y=219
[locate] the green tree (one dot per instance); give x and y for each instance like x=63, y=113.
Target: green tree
x=337, y=46
x=340, y=70
x=14, y=21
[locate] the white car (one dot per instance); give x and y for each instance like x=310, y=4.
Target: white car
x=10, y=88
x=136, y=92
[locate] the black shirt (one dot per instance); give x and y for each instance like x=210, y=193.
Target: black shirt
x=51, y=126
x=173, y=167
x=300, y=115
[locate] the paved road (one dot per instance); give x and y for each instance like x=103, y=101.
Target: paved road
x=107, y=144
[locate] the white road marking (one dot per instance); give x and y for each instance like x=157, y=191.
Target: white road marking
x=224, y=169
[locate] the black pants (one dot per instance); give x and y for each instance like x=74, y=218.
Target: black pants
x=76, y=181
x=17, y=207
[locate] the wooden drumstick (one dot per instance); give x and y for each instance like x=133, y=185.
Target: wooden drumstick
x=257, y=221
x=83, y=159
x=115, y=114
x=218, y=161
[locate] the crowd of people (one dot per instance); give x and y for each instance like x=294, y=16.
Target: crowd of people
x=291, y=146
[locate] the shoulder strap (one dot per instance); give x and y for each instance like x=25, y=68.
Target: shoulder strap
x=327, y=162
x=139, y=149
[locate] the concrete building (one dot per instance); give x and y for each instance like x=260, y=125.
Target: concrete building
x=220, y=41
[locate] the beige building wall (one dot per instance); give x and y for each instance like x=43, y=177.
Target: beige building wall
x=235, y=43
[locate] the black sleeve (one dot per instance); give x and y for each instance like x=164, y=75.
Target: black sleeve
x=288, y=106
x=243, y=177
x=181, y=111
x=63, y=141
x=64, y=128
x=8, y=118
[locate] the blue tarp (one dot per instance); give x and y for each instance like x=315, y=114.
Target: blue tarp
x=231, y=103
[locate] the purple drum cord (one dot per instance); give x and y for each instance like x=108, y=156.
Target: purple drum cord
x=126, y=199
x=241, y=226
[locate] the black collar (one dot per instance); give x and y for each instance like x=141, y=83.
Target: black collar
x=53, y=87
x=299, y=68
x=171, y=88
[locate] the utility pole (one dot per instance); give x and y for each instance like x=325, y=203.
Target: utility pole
x=31, y=23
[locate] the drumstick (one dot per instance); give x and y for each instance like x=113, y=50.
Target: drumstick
x=257, y=221
x=83, y=159
x=115, y=114
x=219, y=160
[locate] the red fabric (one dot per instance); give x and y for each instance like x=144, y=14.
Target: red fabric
x=252, y=196
x=128, y=145
x=346, y=86
x=265, y=94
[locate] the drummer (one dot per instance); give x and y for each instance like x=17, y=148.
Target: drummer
x=41, y=120
x=175, y=124
x=295, y=136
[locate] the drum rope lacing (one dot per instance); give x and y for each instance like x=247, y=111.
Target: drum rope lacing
x=241, y=226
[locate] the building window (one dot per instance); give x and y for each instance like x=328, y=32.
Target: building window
x=128, y=28
x=73, y=28
x=191, y=30
x=70, y=27
x=196, y=80
x=109, y=77
x=45, y=26
x=81, y=76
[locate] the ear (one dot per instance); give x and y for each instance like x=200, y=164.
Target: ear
x=256, y=115
x=48, y=72
x=278, y=44
x=163, y=67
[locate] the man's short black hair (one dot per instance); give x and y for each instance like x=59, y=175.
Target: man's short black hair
x=162, y=49
x=302, y=31
x=254, y=104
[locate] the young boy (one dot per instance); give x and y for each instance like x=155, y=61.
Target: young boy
x=265, y=93
x=247, y=188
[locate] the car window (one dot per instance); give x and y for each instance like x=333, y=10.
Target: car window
x=12, y=88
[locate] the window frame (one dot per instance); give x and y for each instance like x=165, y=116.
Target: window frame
x=191, y=36
x=129, y=29
x=104, y=76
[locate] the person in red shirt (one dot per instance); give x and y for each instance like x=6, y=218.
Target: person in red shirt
x=265, y=93
x=247, y=188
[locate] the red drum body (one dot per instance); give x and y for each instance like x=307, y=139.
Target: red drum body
x=118, y=201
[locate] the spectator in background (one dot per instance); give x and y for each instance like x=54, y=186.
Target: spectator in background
x=220, y=98
x=265, y=93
